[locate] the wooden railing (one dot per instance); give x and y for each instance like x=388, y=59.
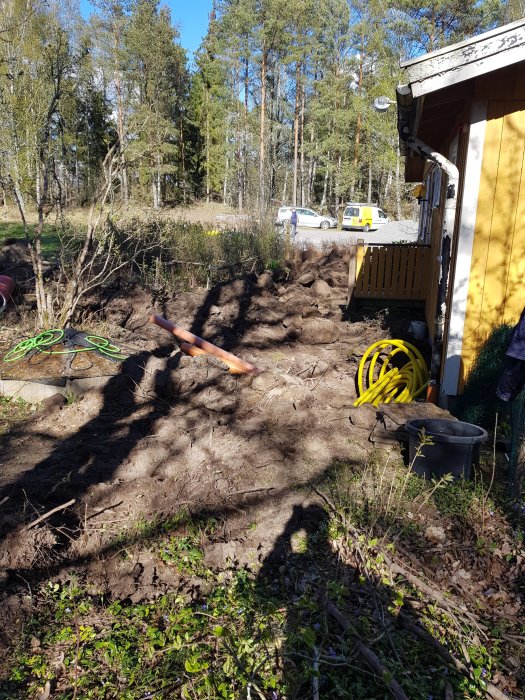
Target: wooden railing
x=394, y=271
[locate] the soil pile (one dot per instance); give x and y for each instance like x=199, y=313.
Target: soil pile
x=172, y=432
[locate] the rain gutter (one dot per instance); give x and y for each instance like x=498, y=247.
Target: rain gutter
x=407, y=110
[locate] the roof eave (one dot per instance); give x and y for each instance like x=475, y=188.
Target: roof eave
x=468, y=59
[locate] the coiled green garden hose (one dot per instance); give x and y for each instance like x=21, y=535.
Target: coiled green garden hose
x=41, y=342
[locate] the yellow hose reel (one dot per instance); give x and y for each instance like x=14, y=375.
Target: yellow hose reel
x=392, y=384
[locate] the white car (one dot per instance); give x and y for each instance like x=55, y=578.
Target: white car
x=305, y=217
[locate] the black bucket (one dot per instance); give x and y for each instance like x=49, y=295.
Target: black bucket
x=454, y=450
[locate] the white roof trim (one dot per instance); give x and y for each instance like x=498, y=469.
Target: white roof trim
x=476, y=56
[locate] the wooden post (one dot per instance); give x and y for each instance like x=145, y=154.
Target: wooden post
x=352, y=267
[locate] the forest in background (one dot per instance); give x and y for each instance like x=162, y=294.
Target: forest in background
x=276, y=106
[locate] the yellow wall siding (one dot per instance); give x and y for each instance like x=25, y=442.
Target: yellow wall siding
x=497, y=280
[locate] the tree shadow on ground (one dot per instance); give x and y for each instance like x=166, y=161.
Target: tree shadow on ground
x=312, y=624
x=93, y=454
x=343, y=637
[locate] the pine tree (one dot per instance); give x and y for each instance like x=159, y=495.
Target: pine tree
x=159, y=83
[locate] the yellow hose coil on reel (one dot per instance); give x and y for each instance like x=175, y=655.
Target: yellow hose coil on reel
x=397, y=385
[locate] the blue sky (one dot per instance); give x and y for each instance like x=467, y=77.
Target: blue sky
x=190, y=16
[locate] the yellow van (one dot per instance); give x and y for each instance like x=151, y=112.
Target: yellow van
x=363, y=217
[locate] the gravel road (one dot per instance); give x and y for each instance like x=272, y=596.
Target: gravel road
x=395, y=232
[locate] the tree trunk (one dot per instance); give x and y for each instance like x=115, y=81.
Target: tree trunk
x=369, y=181
x=358, y=124
x=238, y=139
x=273, y=136
x=337, y=184
x=301, y=139
x=285, y=186
x=262, y=139
x=245, y=138
x=121, y=134
x=325, y=184
x=226, y=173
x=296, y=131
x=154, y=189
x=312, y=167
x=37, y=183
x=208, y=187
x=19, y=197
x=159, y=180
x=182, y=163
x=388, y=183
x=240, y=197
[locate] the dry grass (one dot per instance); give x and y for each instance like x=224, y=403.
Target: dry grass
x=204, y=213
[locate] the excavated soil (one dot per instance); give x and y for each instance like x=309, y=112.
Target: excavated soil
x=171, y=432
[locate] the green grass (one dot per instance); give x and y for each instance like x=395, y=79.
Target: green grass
x=214, y=647
x=13, y=410
x=50, y=237
x=248, y=636
x=241, y=634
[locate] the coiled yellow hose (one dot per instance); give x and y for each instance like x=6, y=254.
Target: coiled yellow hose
x=392, y=384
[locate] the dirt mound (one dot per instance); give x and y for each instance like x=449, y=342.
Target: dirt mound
x=172, y=434
x=15, y=260
x=171, y=429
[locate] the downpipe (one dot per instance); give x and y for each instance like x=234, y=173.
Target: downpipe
x=447, y=233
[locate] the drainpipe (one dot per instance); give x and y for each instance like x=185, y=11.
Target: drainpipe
x=405, y=109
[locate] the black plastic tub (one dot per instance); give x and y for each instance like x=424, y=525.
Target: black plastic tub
x=455, y=447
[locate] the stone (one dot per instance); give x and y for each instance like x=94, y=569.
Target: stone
x=306, y=279
x=321, y=288
x=54, y=402
x=265, y=281
x=222, y=485
x=220, y=554
x=364, y=417
x=266, y=381
x=319, y=331
x=436, y=534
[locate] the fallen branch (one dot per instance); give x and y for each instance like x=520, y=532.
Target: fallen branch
x=423, y=586
x=315, y=677
x=418, y=631
x=260, y=488
x=366, y=653
x=48, y=514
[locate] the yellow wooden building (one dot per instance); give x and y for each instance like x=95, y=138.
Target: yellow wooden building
x=461, y=120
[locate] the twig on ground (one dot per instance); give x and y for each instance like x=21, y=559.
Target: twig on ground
x=493, y=474
x=315, y=677
x=418, y=631
x=260, y=488
x=27, y=584
x=48, y=514
x=366, y=653
x=77, y=657
x=103, y=510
